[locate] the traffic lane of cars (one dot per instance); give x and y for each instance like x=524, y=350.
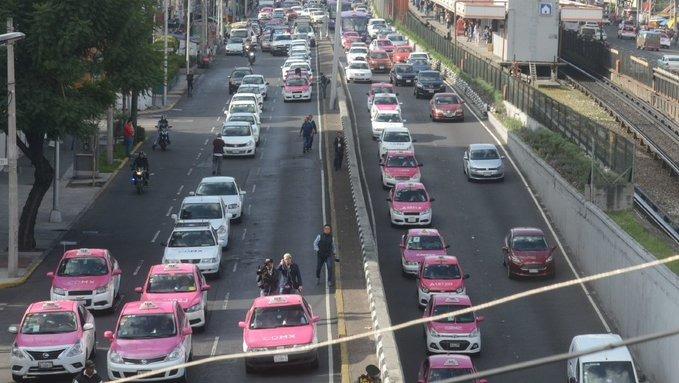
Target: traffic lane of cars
x=474, y=218
x=630, y=46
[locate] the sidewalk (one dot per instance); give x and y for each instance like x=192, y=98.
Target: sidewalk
x=175, y=93
x=353, y=309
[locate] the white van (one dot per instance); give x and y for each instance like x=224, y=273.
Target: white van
x=374, y=25
x=614, y=365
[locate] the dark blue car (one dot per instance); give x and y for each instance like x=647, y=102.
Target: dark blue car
x=428, y=83
x=419, y=65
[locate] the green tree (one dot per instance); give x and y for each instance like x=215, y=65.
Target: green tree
x=60, y=81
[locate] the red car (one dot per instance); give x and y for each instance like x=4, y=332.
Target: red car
x=443, y=367
x=526, y=253
x=379, y=60
x=402, y=54
x=383, y=44
x=446, y=106
x=348, y=38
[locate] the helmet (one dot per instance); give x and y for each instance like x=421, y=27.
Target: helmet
x=141, y=154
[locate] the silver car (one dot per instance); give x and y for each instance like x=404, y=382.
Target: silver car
x=483, y=162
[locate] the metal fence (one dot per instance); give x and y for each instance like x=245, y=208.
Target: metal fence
x=597, y=58
x=610, y=149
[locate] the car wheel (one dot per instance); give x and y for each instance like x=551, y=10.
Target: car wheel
x=18, y=378
x=391, y=80
x=509, y=273
x=314, y=363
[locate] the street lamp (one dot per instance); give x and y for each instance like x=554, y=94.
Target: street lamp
x=9, y=39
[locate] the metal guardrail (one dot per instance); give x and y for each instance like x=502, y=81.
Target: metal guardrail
x=657, y=216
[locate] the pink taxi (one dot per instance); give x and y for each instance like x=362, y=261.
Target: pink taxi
x=399, y=166
x=280, y=322
x=409, y=205
x=382, y=44
x=439, y=274
x=53, y=338
x=378, y=88
x=348, y=38
x=296, y=88
x=416, y=245
x=385, y=102
x=453, y=334
x=90, y=276
x=181, y=282
x=437, y=368
x=149, y=336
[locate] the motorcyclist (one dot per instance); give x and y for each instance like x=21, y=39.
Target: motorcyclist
x=141, y=162
x=162, y=126
x=251, y=57
x=267, y=278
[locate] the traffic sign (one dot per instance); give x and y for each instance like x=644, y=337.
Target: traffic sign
x=3, y=162
x=545, y=9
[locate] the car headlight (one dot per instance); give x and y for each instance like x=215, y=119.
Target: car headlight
x=251, y=142
x=114, y=357
x=474, y=333
x=58, y=291
x=399, y=77
x=232, y=206
x=221, y=230
x=515, y=259
x=433, y=333
x=460, y=290
x=17, y=352
x=424, y=290
x=411, y=263
x=208, y=260
x=75, y=350
x=396, y=212
x=474, y=169
x=428, y=211
x=419, y=85
x=177, y=353
x=549, y=259
x=102, y=289
x=197, y=307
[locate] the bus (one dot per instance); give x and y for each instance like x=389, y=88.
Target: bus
x=353, y=21
x=332, y=8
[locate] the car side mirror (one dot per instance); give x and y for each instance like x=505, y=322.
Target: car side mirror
x=402, y=246
x=242, y=325
x=13, y=329
x=404, y=120
x=388, y=199
x=88, y=326
x=315, y=319
x=462, y=102
x=267, y=83
x=502, y=157
x=466, y=276
x=432, y=199
x=572, y=380
x=414, y=140
x=173, y=216
x=138, y=290
x=187, y=331
x=553, y=249
x=243, y=192
x=192, y=193
x=228, y=215
x=367, y=93
x=109, y=335
x=205, y=288
x=447, y=246
x=420, y=165
x=480, y=318
x=465, y=156
x=642, y=378
x=505, y=249
x=50, y=274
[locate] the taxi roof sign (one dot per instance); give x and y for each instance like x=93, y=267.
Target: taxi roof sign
x=277, y=299
x=451, y=362
x=171, y=266
x=452, y=300
x=51, y=305
x=84, y=251
x=148, y=305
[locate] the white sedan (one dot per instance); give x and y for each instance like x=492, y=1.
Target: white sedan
x=259, y=81
x=288, y=65
x=227, y=189
x=385, y=119
x=395, y=139
x=355, y=52
x=358, y=71
x=239, y=139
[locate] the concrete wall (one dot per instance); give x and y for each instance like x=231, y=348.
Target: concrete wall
x=532, y=36
x=635, y=304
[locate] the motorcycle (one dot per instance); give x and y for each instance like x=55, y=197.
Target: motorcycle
x=138, y=180
x=251, y=58
x=163, y=139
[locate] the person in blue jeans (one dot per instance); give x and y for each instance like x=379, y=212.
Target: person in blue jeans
x=307, y=131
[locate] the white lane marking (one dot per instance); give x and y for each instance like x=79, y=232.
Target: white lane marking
x=168, y=212
x=331, y=364
x=155, y=236
x=226, y=300
x=198, y=155
x=206, y=141
x=180, y=190
x=189, y=172
x=2, y=306
x=219, y=118
x=212, y=130
x=249, y=208
x=245, y=231
x=213, y=351
x=259, y=171
x=544, y=217
x=136, y=271
x=253, y=188
x=235, y=266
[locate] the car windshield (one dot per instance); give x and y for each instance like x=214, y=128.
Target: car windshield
x=388, y=100
x=396, y=137
x=253, y=80
x=379, y=55
x=436, y=374
x=359, y=50
x=81, y=267
x=382, y=89
x=239, y=73
x=242, y=108
x=384, y=43
x=605, y=372
x=49, y=323
x=446, y=271
x=351, y=34
x=201, y=211
x=418, y=56
x=236, y=40
x=193, y=238
x=147, y=326
x=403, y=49
x=410, y=195
x=388, y=118
x=359, y=65
x=428, y=75
x=462, y=318
x=250, y=119
x=282, y=316
x=447, y=100
x=529, y=243
x=425, y=242
x=484, y=154
x=247, y=89
x=239, y=33
x=396, y=38
x=217, y=188
x=297, y=81
x=236, y=131
x=282, y=37
x=304, y=29
x=403, y=69
x=171, y=283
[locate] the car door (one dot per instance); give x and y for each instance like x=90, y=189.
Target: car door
x=424, y=371
x=465, y=160
x=84, y=316
x=116, y=278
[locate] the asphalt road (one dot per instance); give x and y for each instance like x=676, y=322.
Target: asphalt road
x=283, y=213
x=629, y=45
x=474, y=218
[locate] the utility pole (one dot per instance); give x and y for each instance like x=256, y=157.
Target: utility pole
x=109, y=135
x=336, y=54
x=13, y=201
x=55, y=214
x=188, y=36
x=205, y=18
x=165, y=11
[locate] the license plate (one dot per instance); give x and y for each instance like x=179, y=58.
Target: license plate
x=239, y=151
x=381, y=66
x=409, y=81
x=411, y=220
x=45, y=365
x=280, y=358
x=488, y=173
x=454, y=345
x=532, y=271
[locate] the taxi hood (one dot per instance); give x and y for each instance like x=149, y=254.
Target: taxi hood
x=401, y=172
x=442, y=284
x=452, y=328
x=418, y=207
x=191, y=252
x=47, y=340
x=145, y=348
x=185, y=300
x=80, y=283
x=419, y=255
x=282, y=336
x=292, y=88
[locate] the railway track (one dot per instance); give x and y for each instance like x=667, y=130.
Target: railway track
x=654, y=132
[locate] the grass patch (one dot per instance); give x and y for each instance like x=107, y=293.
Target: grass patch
x=118, y=158
x=581, y=103
x=655, y=244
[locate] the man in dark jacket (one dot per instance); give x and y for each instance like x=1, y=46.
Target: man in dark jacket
x=307, y=131
x=267, y=279
x=289, y=276
x=339, y=147
x=325, y=254
x=88, y=375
